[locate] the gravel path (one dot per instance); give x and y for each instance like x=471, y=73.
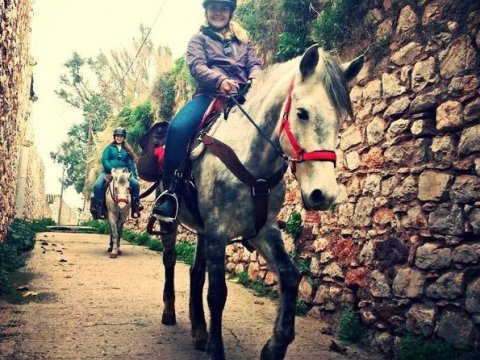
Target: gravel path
x=80, y=304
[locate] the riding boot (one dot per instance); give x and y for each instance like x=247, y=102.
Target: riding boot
x=96, y=209
x=166, y=207
x=136, y=208
x=167, y=204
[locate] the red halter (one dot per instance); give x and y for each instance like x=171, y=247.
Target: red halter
x=299, y=155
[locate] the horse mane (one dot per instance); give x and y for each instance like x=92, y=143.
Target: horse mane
x=336, y=85
x=329, y=74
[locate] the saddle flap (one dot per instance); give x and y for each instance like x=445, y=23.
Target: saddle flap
x=150, y=161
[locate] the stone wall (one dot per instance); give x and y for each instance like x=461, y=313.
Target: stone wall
x=403, y=244
x=20, y=166
x=64, y=216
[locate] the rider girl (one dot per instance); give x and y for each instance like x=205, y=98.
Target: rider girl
x=116, y=155
x=221, y=59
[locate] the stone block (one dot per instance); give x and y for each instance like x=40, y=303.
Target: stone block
x=469, y=140
x=449, y=286
x=457, y=330
x=433, y=257
x=421, y=319
x=433, y=186
x=408, y=283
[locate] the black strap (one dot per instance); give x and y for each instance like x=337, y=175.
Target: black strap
x=150, y=189
x=260, y=187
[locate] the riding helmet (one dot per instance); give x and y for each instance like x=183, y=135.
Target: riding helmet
x=231, y=3
x=120, y=131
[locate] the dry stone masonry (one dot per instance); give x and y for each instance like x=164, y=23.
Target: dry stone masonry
x=20, y=165
x=403, y=244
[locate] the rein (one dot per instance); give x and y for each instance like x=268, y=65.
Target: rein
x=260, y=188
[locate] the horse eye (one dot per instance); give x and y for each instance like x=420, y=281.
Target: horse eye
x=302, y=114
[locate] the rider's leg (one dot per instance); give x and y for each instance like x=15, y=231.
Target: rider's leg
x=135, y=192
x=180, y=131
x=97, y=200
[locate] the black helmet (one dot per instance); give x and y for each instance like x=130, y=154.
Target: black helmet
x=120, y=131
x=231, y=3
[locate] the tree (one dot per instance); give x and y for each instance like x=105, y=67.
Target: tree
x=71, y=154
x=101, y=87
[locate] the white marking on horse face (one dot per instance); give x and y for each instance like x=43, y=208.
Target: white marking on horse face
x=315, y=124
x=318, y=184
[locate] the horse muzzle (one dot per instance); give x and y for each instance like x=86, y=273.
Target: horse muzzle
x=121, y=202
x=317, y=200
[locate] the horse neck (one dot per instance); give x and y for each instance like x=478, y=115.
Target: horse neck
x=267, y=114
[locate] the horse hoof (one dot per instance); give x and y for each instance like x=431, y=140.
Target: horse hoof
x=168, y=319
x=109, y=249
x=113, y=256
x=200, y=344
x=119, y=252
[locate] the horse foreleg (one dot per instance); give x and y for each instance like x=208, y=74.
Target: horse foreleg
x=217, y=296
x=110, y=245
x=113, y=238
x=271, y=248
x=169, y=260
x=197, y=281
x=119, y=232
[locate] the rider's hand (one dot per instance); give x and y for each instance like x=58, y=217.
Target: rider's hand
x=228, y=86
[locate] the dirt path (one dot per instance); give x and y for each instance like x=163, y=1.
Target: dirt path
x=84, y=305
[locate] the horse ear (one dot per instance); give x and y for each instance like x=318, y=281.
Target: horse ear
x=309, y=61
x=352, y=68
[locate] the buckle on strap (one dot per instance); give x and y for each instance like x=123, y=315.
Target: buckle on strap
x=260, y=188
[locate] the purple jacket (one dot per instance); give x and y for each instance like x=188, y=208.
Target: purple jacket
x=209, y=65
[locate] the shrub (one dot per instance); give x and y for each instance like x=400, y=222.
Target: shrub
x=185, y=252
x=101, y=227
x=20, y=238
x=40, y=225
x=339, y=21
x=416, y=348
x=351, y=328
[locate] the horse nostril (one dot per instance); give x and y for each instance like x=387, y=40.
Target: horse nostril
x=317, y=196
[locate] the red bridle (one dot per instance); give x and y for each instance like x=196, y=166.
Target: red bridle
x=300, y=155
x=114, y=195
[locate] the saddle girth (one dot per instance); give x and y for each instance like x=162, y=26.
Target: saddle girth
x=260, y=188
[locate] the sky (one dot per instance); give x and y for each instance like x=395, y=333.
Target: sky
x=60, y=27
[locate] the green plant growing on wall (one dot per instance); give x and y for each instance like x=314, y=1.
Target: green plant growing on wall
x=379, y=49
x=416, y=348
x=137, y=121
x=293, y=225
x=296, y=17
x=351, y=329
x=338, y=23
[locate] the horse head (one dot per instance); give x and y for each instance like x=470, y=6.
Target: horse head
x=120, y=187
x=318, y=101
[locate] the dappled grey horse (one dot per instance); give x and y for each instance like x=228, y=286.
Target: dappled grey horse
x=118, y=204
x=298, y=107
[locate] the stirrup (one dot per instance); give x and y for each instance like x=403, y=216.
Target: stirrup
x=167, y=218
